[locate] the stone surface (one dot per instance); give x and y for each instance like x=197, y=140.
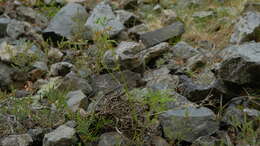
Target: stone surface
x=111, y=139
x=203, y=14
x=103, y=18
x=188, y=123
x=107, y=82
x=76, y=99
x=129, y=19
x=247, y=28
x=164, y=34
x=66, y=22
x=61, y=68
x=73, y=81
x=240, y=64
x=183, y=50
x=62, y=136
x=16, y=140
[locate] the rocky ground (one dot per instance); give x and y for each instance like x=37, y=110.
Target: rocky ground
x=129, y=72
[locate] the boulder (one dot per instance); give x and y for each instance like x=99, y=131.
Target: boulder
x=247, y=28
x=136, y=31
x=241, y=64
x=183, y=50
x=62, y=136
x=188, y=123
x=103, y=19
x=16, y=140
x=152, y=38
x=112, y=139
x=76, y=99
x=66, y=22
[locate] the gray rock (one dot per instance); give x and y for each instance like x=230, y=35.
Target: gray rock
x=164, y=34
x=183, y=50
x=15, y=28
x=154, y=52
x=37, y=135
x=125, y=55
x=188, y=123
x=5, y=76
x=240, y=64
x=16, y=140
x=136, y=31
x=129, y=19
x=76, y=99
x=107, y=82
x=203, y=14
x=55, y=54
x=21, y=93
x=3, y=26
x=64, y=24
x=159, y=141
x=190, y=3
x=31, y=15
x=61, y=68
x=74, y=82
x=168, y=16
x=247, y=28
x=111, y=139
x=161, y=79
x=102, y=19
x=62, y=136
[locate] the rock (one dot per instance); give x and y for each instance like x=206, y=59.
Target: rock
x=203, y=14
x=247, y=28
x=188, y=123
x=169, y=16
x=111, y=139
x=15, y=29
x=206, y=44
x=5, y=76
x=164, y=34
x=66, y=22
x=125, y=55
x=108, y=83
x=37, y=135
x=240, y=64
x=61, y=68
x=136, y=31
x=62, y=136
x=74, y=82
x=21, y=93
x=55, y=54
x=252, y=6
x=3, y=26
x=161, y=79
x=30, y=14
x=77, y=99
x=240, y=111
x=159, y=141
x=103, y=19
x=183, y=50
x=16, y=140
x=127, y=18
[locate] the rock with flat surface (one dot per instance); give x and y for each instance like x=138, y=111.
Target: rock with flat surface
x=241, y=64
x=164, y=34
x=247, y=28
x=112, y=139
x=103, y=19
x=76, y=99
x=17, y=140
x=65, y=23
x=62, y=136
x=188, y=123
